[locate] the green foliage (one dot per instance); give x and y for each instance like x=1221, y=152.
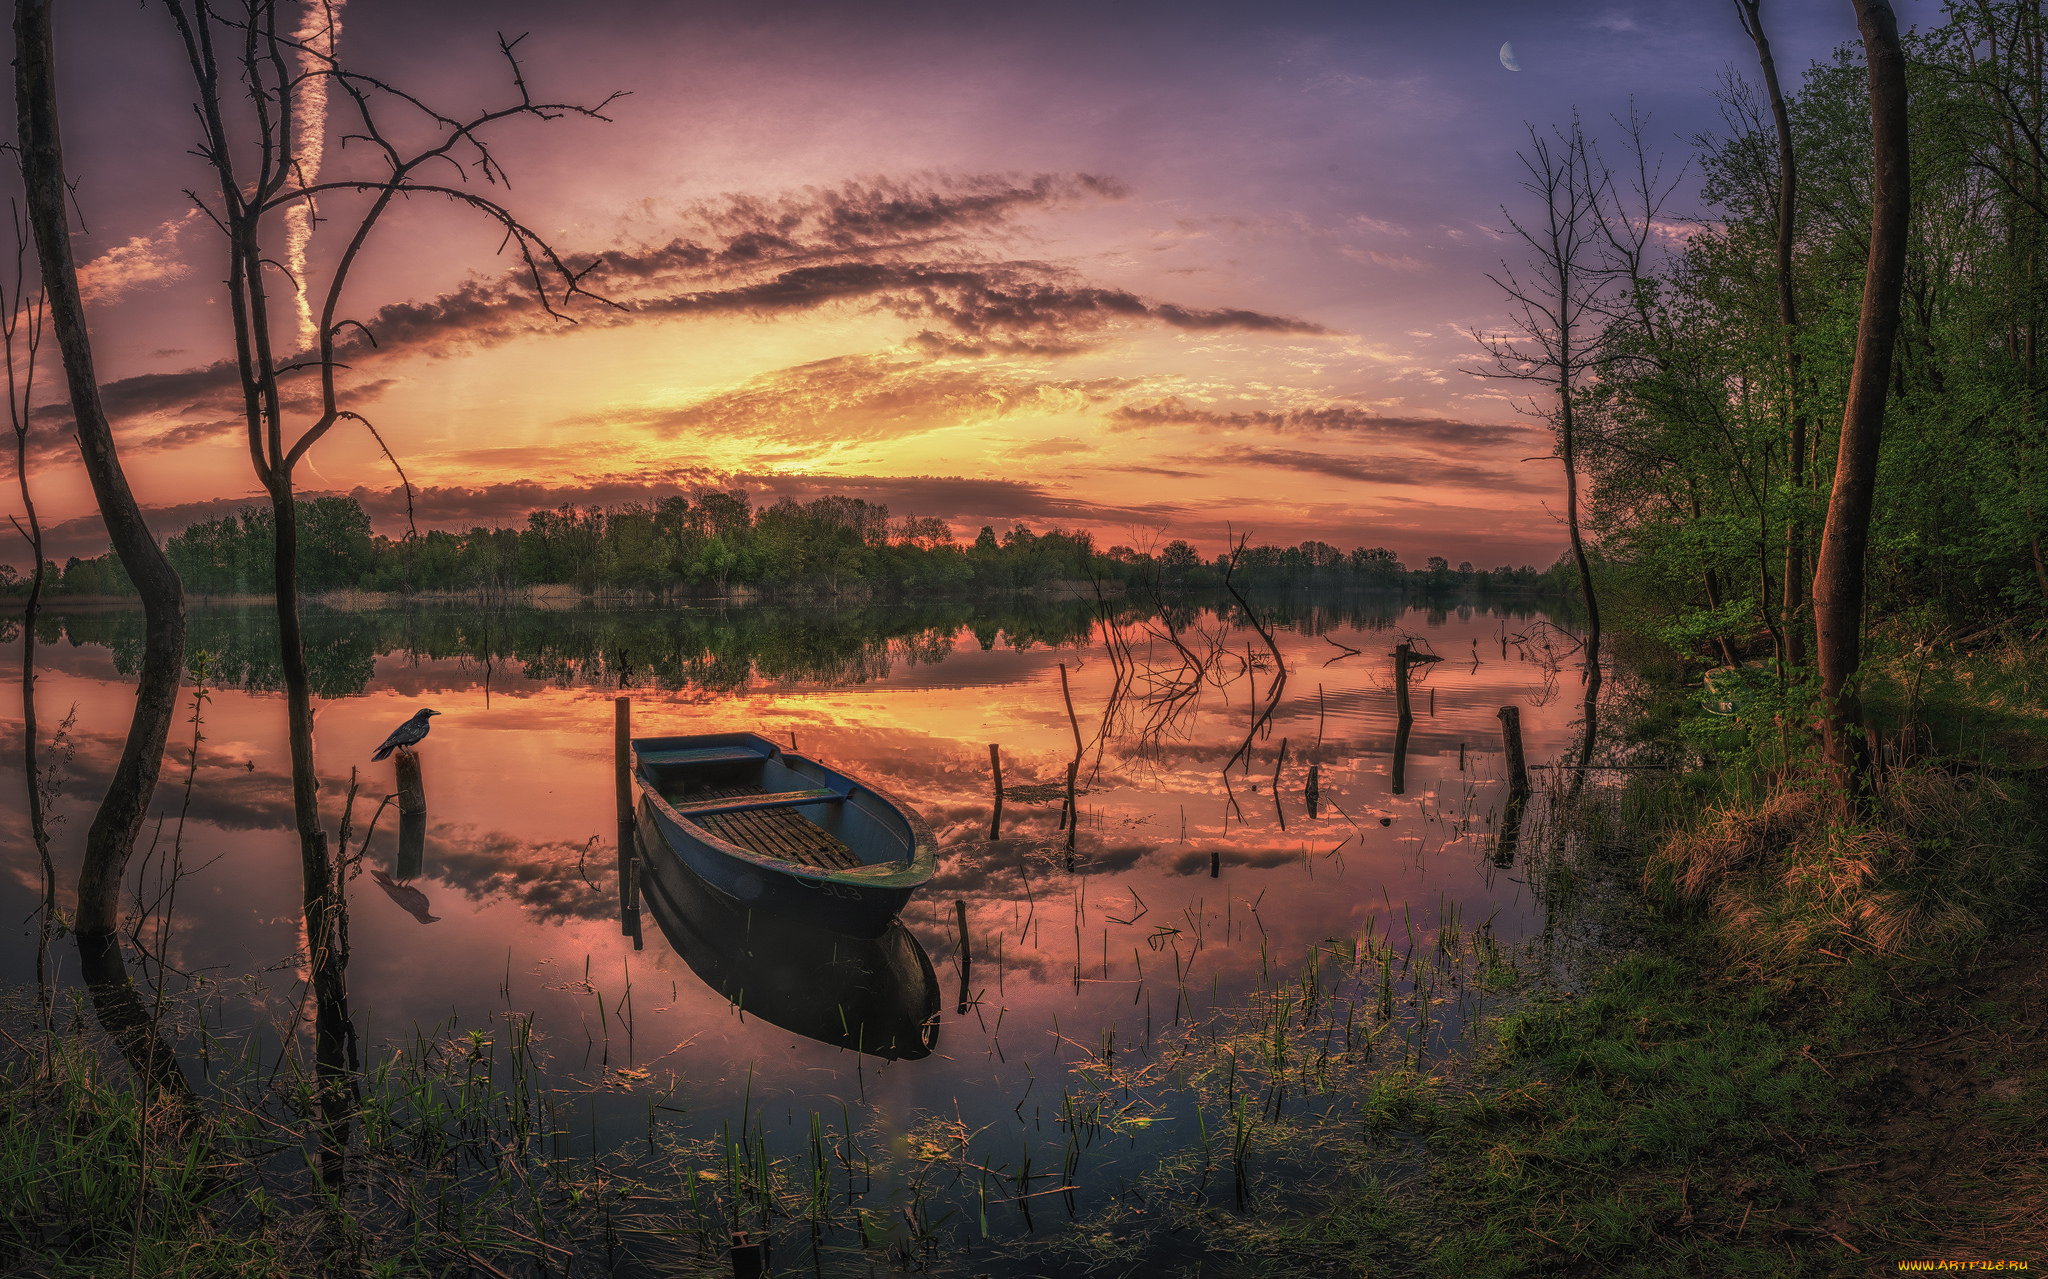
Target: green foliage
x=833, y=545
x=1694, y=493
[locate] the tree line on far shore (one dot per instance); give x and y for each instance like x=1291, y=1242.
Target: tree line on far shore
x=830, y=546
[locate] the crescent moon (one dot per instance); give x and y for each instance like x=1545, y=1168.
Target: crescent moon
x=1507, y=57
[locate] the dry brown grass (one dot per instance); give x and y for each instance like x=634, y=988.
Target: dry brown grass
x=1783, y=877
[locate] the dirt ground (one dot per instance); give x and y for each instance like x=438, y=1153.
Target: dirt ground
x=1956, y=1110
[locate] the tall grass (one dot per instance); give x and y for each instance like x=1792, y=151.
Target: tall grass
x=467, y=1154
x=1954, y=847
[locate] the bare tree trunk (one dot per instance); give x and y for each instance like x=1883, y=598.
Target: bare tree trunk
x=320, y=889
x=20, y=397
x=119, y=819
x=31, y=768
x=1838, y=581
x=1567, y=445
x=273, y=72
x=1788, y=321
x=1567, y=439
x=1566, y=291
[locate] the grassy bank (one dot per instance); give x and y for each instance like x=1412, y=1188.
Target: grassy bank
x=1825, y=1055
x=1676, y=1120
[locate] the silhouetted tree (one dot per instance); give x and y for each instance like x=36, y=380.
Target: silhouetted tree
x=266, y=167
x=119, y=817
x=1558, y=309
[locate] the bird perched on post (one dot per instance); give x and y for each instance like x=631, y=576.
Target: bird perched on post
x=410, y=733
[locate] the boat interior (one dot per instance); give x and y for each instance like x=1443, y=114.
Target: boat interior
x=781, y=806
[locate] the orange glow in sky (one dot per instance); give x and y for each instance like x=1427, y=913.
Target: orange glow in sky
x=1150, y=275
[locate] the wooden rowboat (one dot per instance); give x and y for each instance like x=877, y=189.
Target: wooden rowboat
x=875, y=995
x=770, y=828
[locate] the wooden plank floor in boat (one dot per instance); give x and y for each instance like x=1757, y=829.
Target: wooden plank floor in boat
x=773, y=832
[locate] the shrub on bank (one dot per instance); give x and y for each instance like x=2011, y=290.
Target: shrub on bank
x=1783, y=874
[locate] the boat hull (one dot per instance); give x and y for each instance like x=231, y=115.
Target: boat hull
x=876, y=995
x=893, y=847
x=822, y=901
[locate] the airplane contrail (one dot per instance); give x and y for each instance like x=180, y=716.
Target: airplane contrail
x=318, y=31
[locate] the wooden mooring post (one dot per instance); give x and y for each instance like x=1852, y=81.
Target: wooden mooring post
x=622, y=784
x=1401, y=709
x=1511, y=738
x=1072, y=720
x=1401, y=732
x=412, y=787
x=622, y=757
x=1278, y=760
x=629, y=890
x=1510, y=831
x=1073, y=813
x=749, y=1257
x=966, y=955
x=995, y=817
x=412, y=816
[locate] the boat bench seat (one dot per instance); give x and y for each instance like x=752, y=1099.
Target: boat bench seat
x=700, y=755
x=744, y=803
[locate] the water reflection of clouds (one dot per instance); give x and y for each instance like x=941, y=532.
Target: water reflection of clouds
x=517, y=791
x=551, y=879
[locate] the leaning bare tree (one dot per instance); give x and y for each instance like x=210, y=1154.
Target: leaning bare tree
x=1838, y=575
x=1558, y=310
x=111, y=838
x=267, y=170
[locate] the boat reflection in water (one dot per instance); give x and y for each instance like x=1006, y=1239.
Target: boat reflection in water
x=873, y=995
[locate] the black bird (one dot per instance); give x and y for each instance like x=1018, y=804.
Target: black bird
x=410, y=733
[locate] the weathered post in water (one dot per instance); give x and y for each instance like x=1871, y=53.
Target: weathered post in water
x=412, y=848
x=1073, y=813
x=622, y=757
x=995, y=817
x=966, y=955
x=412, y=817
x=749, y=1258
x=622, y=782
x=1510, y=831
x=1401, y=731
x=1072, y=722
x=629, y=892
x=1278, y=760
x=1511, y=738
x=412, y=787
x=1401, y=709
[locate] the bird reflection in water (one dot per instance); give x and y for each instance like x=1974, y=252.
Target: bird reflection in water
x=411, y=899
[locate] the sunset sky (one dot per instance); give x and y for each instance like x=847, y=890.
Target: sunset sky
x=1149, y=270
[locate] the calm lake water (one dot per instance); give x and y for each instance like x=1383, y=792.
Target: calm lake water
x=1187, y=904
